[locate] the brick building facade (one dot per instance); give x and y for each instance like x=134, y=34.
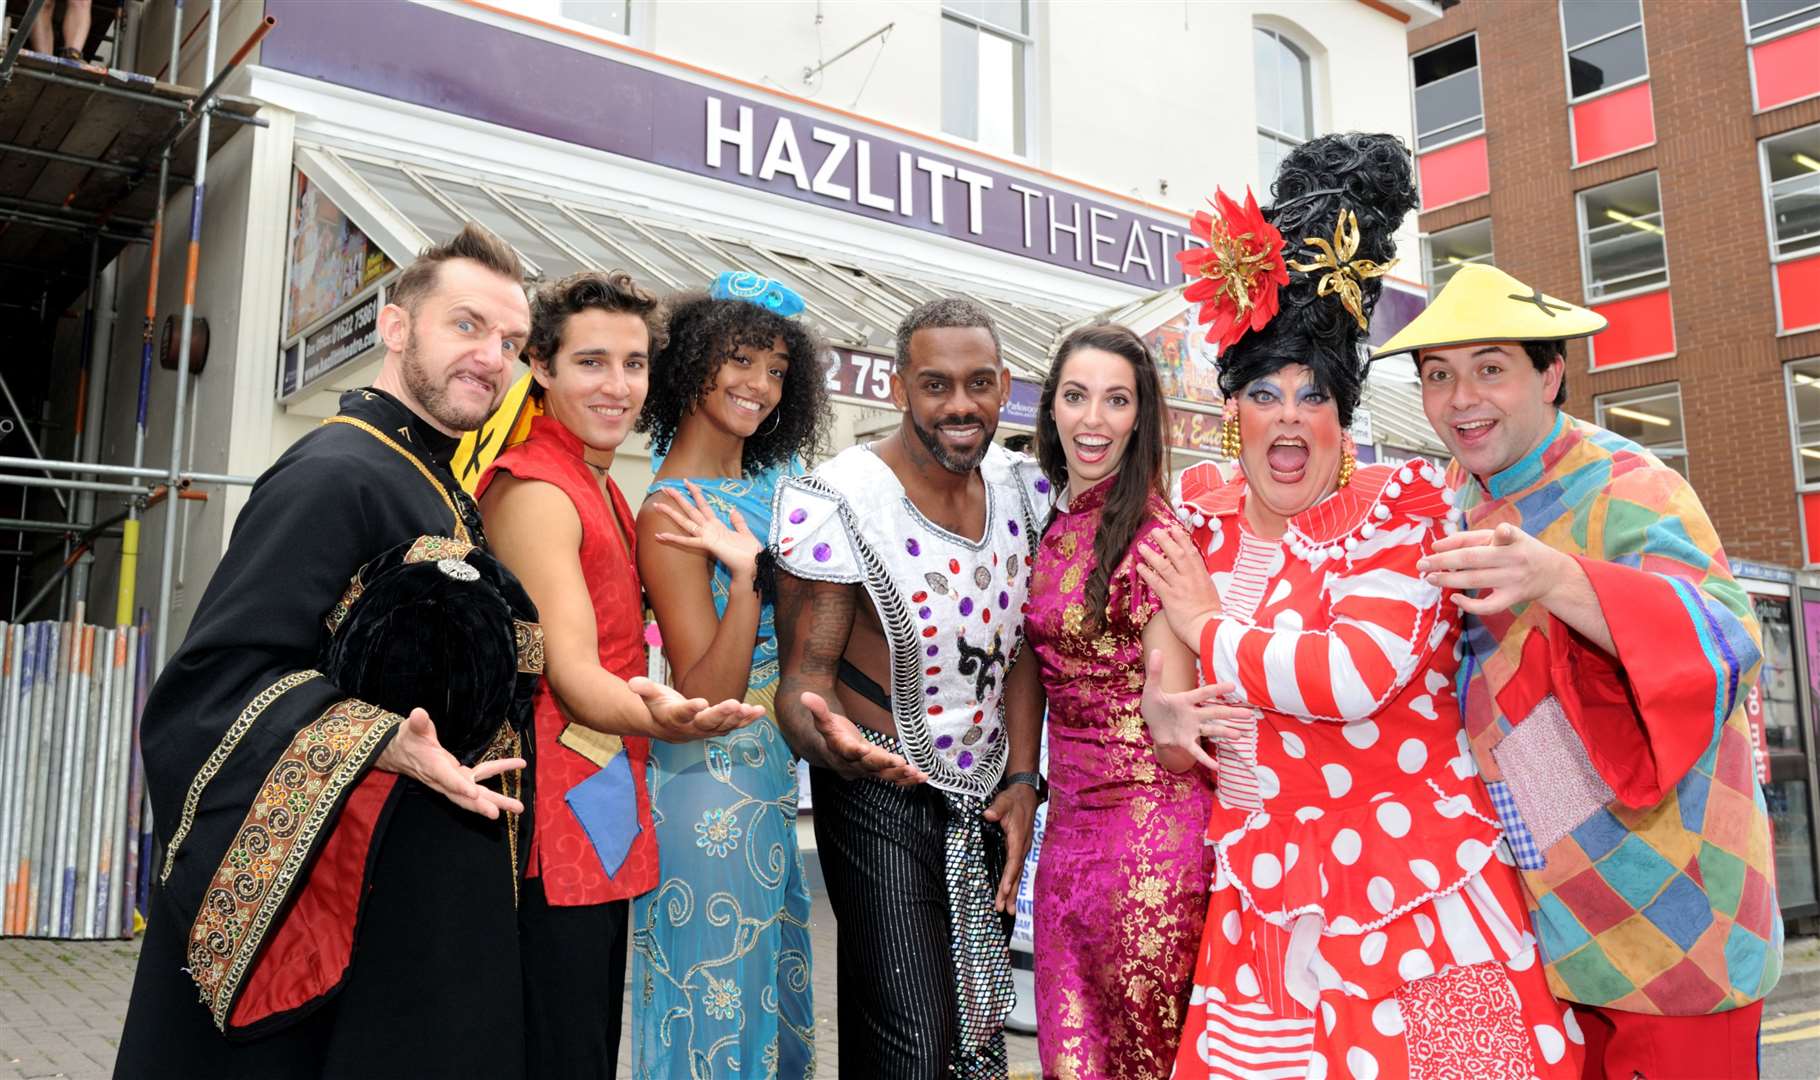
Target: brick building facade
x=1659, y=161
x=1728, y=350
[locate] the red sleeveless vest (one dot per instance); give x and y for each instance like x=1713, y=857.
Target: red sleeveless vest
x=560, y=852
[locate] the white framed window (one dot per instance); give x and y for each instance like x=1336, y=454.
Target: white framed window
x=1446, y=251
x=987, y=72
x=1649, y=416
x=1765, y=19
x=1804, y=416
x=624, y=19
x=1604, y=43
x=1623, y=246
x=1285, y=96
x=1791, y=190
x=1448, y=102
x=613, y=16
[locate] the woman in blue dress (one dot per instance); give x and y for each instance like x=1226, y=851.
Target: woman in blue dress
x=720, y=949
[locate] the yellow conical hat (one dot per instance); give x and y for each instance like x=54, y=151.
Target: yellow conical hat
x=1483, y=303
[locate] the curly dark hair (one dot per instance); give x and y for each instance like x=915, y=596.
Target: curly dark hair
x=704, y=333
x=1370, y=175
x=553, y=303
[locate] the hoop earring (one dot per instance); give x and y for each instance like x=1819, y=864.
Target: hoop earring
x=777, y=417
x=1348, y=459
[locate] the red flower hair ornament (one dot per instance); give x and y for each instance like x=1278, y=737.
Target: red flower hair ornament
x=1235, y=277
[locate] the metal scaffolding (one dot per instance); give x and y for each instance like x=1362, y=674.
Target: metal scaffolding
x=97, y=139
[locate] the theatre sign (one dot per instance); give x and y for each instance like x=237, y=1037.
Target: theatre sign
x=622, y=108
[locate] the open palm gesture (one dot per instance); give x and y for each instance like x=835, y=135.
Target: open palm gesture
x=700, y=530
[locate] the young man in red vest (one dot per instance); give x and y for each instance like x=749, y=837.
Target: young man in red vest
x=559, y=522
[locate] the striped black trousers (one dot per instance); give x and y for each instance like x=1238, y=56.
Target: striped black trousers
x=881, y=849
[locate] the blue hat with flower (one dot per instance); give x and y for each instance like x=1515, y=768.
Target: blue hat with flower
x=771, y=295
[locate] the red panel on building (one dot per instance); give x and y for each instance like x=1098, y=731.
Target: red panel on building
x=1798, y=287
x=1453, y=173
x=1810, y=516
x=1786, y=68
x=1613, y=124
x=1642, y=328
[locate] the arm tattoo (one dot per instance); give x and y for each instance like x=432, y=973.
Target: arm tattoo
x=814, y=621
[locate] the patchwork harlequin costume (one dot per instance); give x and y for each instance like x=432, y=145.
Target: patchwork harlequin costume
x=1363, y=920
x=911, y=872
x=1625, y=783
x=336, y=919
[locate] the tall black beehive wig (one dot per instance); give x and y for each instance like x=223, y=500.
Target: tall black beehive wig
x=1316, y=182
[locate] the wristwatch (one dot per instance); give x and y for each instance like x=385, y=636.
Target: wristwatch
x=1035, y=780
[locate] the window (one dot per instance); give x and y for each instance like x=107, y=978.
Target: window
x=1804, y=392
x=1791, y=165
x=1448, y=250
x=985, y=72
x=1764, y=19
x=1448, y=104
x=1604, y=40
x=1285, y=97
x=1623, y=248
x=619, y=18
x=1650, y=417
x=613, y=16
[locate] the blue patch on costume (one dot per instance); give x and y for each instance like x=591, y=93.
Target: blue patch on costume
x=1522, y=842
x=1598, y=834
x=1557, y=930
x=606, y=804
x=1682, y=912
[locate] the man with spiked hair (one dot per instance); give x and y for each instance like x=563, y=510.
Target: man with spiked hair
x=334, y=885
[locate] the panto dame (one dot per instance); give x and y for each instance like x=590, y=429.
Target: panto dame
x=1121, y=888
x=1361, y=920
x=720, y=949
x=1609, y=651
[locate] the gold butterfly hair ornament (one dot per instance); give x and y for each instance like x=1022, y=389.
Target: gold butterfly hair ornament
x=1343, y=274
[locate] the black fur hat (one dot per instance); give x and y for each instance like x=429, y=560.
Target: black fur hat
x=1316, y=183
x=441, y=625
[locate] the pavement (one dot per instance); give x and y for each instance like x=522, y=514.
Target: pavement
x=62, y=1004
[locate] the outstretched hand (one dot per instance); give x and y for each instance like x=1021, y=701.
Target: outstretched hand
x=1169, y=564
x=1179, y=721
x=1506, y=564
x=417, y=753
x=851, y=754
x=678, y=719
x=700, y=530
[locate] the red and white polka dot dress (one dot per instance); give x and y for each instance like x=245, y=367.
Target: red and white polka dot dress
x=1364, y=919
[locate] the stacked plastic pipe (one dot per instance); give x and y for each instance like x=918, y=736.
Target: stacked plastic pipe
x=70, y=786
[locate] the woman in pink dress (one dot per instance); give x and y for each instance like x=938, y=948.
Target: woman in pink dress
x=1364, y=920
x=1121, y=885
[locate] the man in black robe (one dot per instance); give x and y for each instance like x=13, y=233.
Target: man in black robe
x=335, y=885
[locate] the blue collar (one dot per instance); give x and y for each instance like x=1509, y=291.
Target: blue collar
x=1528, y=470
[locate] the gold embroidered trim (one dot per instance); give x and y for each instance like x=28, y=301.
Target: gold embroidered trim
x=275, y=839
x=529, y=639
x=505, y=744
x=235, y=732
x=461, y=530
x=437, y=548
x=339, y=613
